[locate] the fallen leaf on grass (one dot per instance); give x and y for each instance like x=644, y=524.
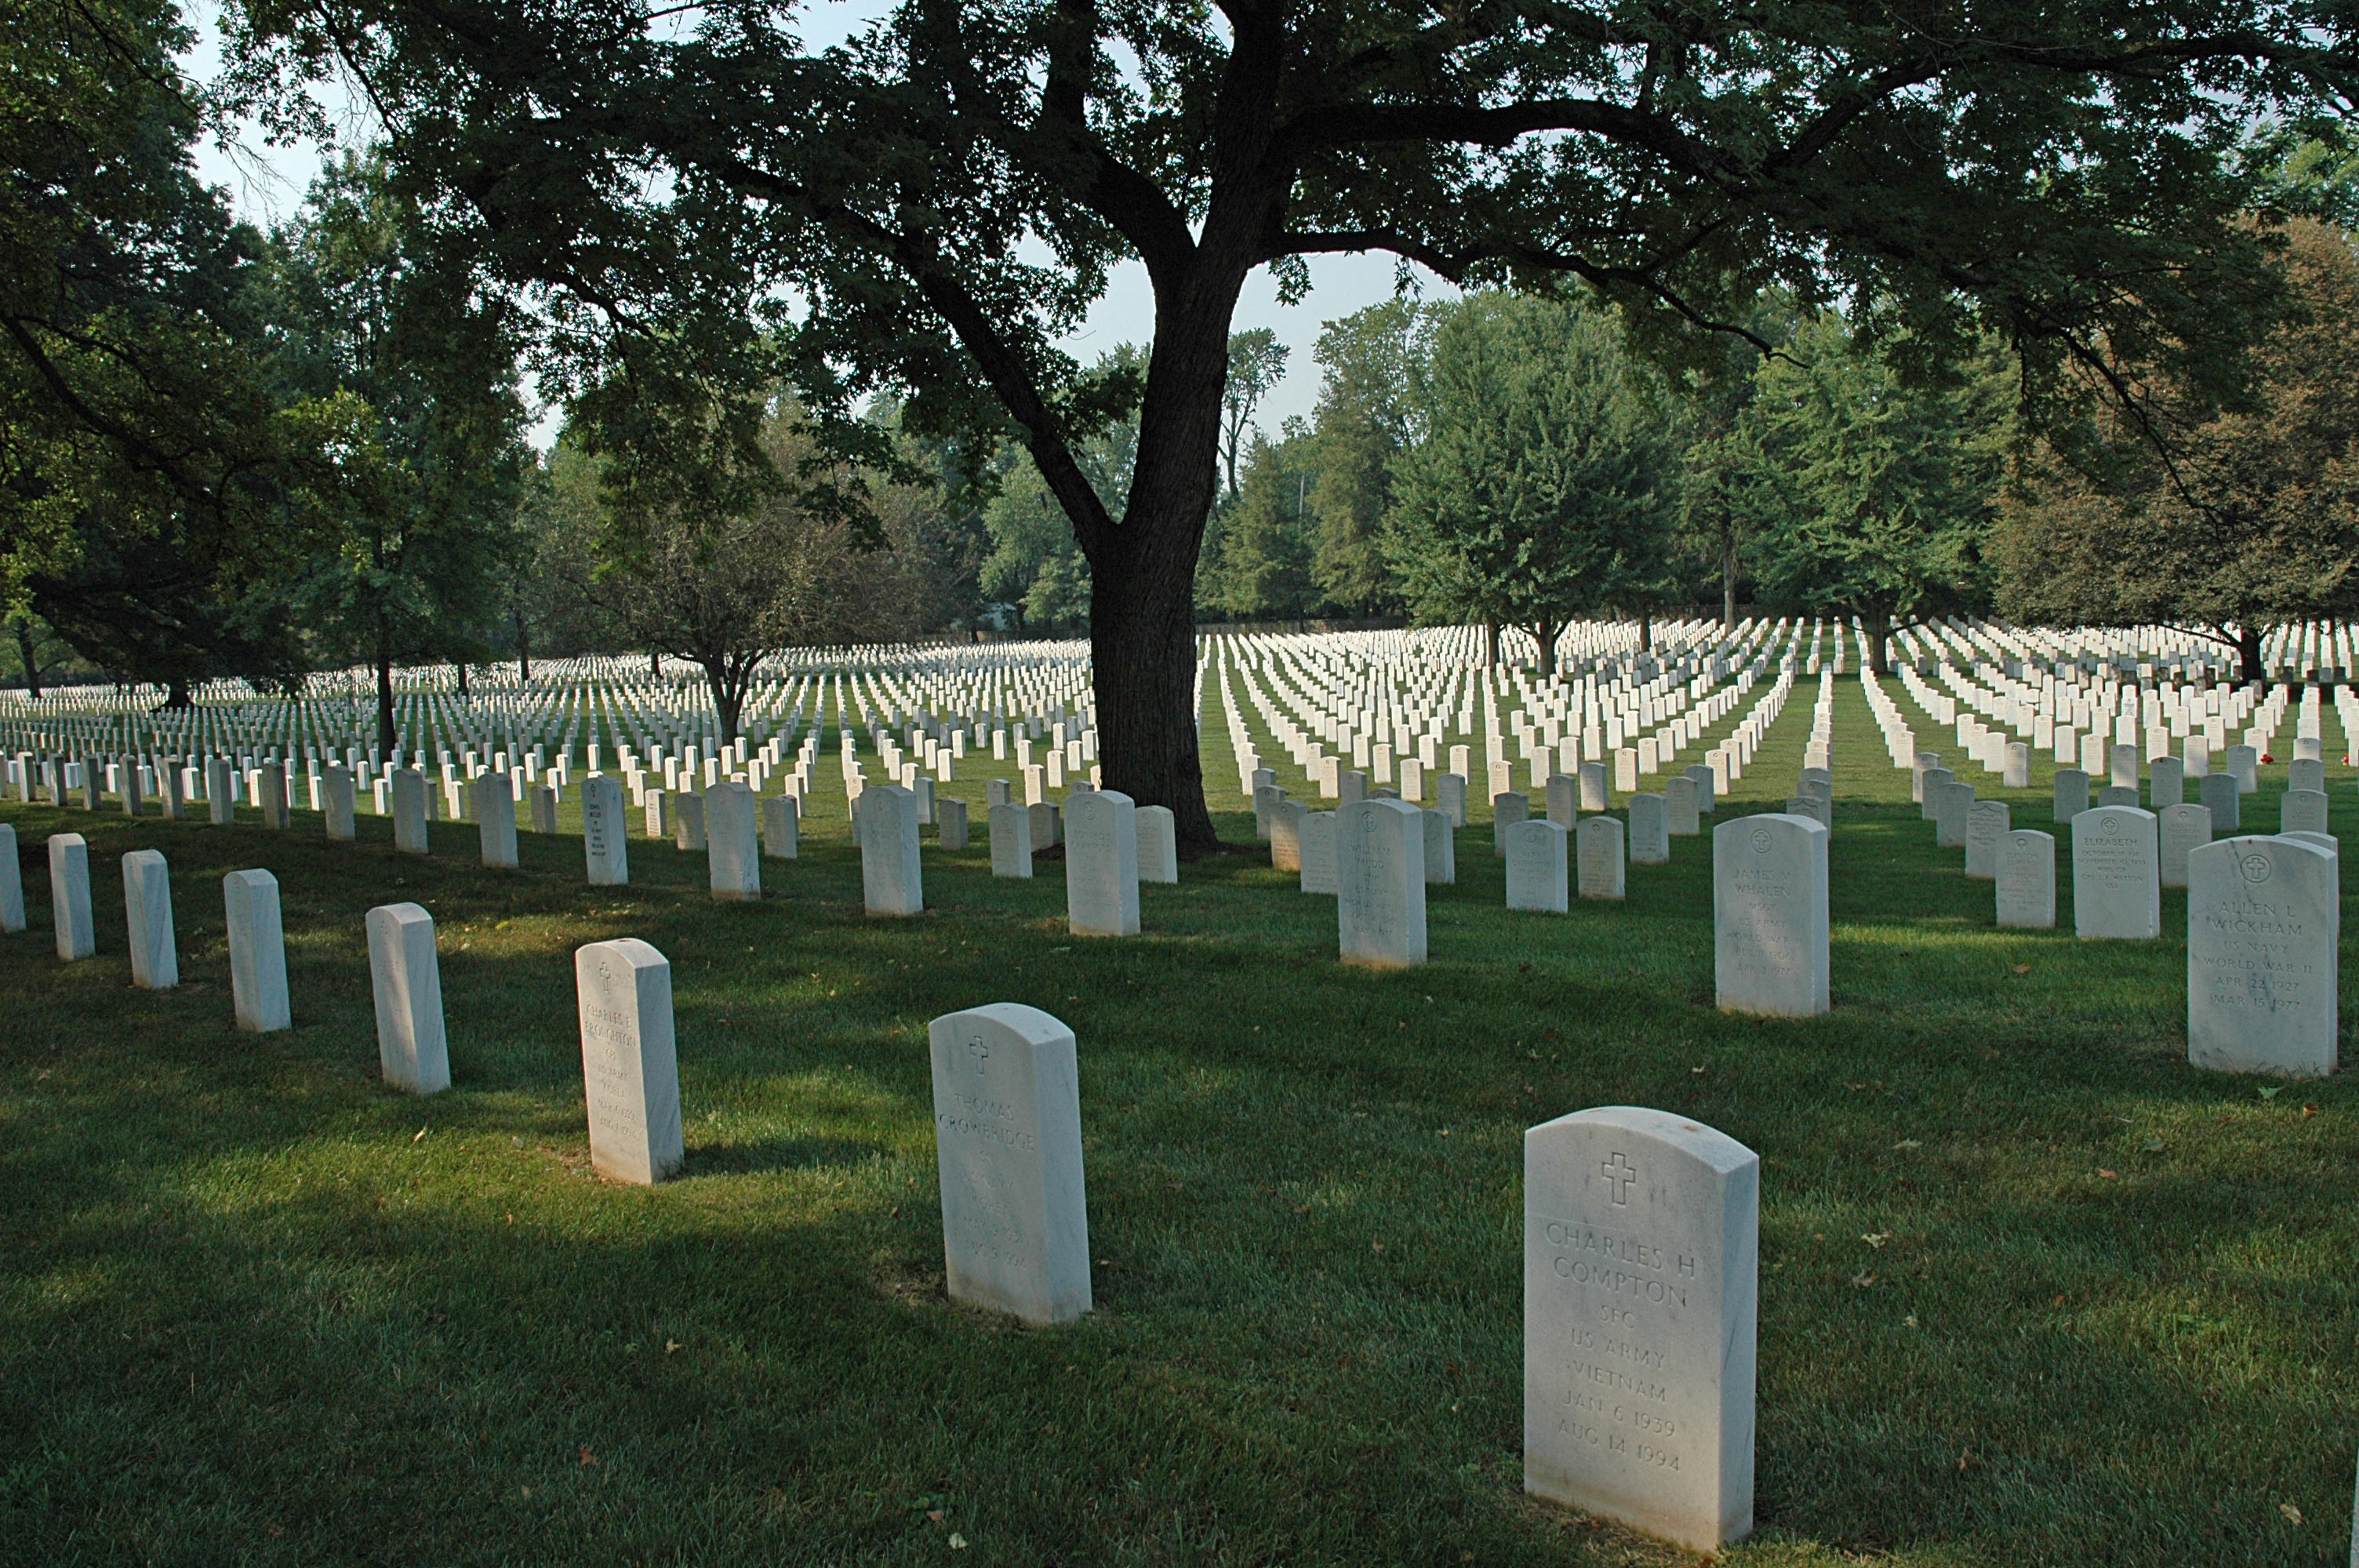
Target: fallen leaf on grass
x=2022, y=968
x=935, y=1515
x=1877, y=1239
x=2152, y=1146
x=588, y=1458
x=958, y=1542
x=2057, y=1302
x=2104, y=1174
x=2272, y=1094
x=2292, y=1512
x=1863, y=1281
x=670, y=1346
x=419, y=1133
x=2309, y=1111
x=1908, y=1143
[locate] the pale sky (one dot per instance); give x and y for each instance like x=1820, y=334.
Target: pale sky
x=266, y=183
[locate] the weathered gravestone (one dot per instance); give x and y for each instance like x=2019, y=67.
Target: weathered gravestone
x=1563, y=800
x=1317, y=833
x=1286, y=835
x=2166, y=782
x=2243, y=764
x=495, y=802
x=2014, y=771
x=1047, y=825
x=1951, y=805
x=1598, y=851
x=732, y=847
x=2125, y=767
x=70, y=908
x=2026, y=879
x=1650, y=836
x=688, y=828
x=1641, y=1299
x=409, y=811
x=2115, y=794
x=1506, y=810
x=605, y=847
x=270, y=794
x=1987, y=822
x=1011, y=839
x=2262, y=923
x=2179, y=830
x=258, y=952
x=220, y=797
x=1158, y=845
x=630, y=1064
x=1380, y=883
x=2306, y=773
x=950, y=821
x=2071, y=796
x=12, y=883
x=1536, y=866
x=1707, y=788
x=1102, y=864
x=1816, y=808
x=891, y=880
x=1450, y=795
x=2227, y=802
x=413, y=1054
x=1007, y=1136
x=2116, y=884
x=1769, y=915
x=336, y=801
x=540, y=807
x=1441, y=850
x=147, y=913
x=2303, y=811
x=1593, y=787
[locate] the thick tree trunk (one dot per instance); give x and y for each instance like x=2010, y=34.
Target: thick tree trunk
x=1645, y=631
x=176, y=692
x=1544, y=632
x=2249, y=668
x=655, y=664
x=463, y=677
x=26, y=649
x=524, y=652
x=1879, y=637
x=728, y=688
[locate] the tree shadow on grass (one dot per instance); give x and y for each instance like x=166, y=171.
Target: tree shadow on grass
x=757, y=1156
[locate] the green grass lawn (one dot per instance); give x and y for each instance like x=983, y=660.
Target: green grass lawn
x=254, y=1308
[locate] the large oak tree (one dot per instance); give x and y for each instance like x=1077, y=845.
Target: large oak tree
x=936, y=204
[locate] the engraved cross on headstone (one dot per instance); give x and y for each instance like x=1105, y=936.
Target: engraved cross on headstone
x=1621, y=1174
x=980, y=1052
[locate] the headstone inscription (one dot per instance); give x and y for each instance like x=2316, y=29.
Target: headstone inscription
x=2179, y=829
x=891, y=880
x=1011, y=839
x=1102, y=864
x=606, y=844
x=1536, y=866
x=1318, y=840
x=2026, y=879
x=1987, y=822
x=1641, y=1300
x=1007, y=1135
x=1650, y=836
x=1598, y=852
x=413, y=1054
x=2116, y=884
x=732, y=847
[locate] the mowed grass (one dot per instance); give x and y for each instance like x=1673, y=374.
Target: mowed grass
x=255, y=1308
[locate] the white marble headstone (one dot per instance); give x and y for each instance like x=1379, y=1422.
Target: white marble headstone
x=336, y=798
x=1987, y=822
x=1011, y=839
x=258, y=952
x=891, y=877
x=2116, y=877
x=147, y=913
x=630, y=1064
x=12, y=883
x=409, y=811
x=1316, y=832
x=1641, y=1303
x=2179, y=829
x=2026, y=879
x=1597, y=850
x=69, y=895
x=1650, y=830
x=605, y=842
x=1441, y=851
x=1536, y=866
x=412, y=1051
x=2263, y=921
x=1769, y=915
x=1380, y=883
x=1007, y=1133
x=1102, y=864
x=782, y=827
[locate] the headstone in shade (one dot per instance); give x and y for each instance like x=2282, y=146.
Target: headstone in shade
x=2264, y=923
x=2117, y=794
x=270, y=794
x=1682, y=818
x=1952, y=802
x=2303, y=811
x=2179, y=829
x=2166, y=782
x=1932, y=780
x=12, y=883
x=2116, y=882
x=69, y=895
x=1598, y=856
x=1563, y=800
x=630, y=1064
x=1650, y=836
x=1007, y=1137
x=2219, y=793
x=950, y=821
x=605, y=845
x=1102, y=864
x=1441, y=851
x=891, y=879
x=2125, y=767
x=1769, y=915
x=1641, y=1306
x=221, y=799
x=782, y=827
x=1507, y=809
x=412, y=1053
x=496, y=826
x=258, y=952
x=147, y=915
x=1987, y=822
x=1158, y=845
x=1046, y=826
x=2026, y=879
x=2244, y=765
x=656, y=806
x=2196, y=756
x=540, y=807
x=1380, y=883
x=2306, y=773
x=1011, y=839
x=1707, y=788
x=336, y=801
x=732, y=845
x=409, y=811
x=688, y=830
x=2072, y=794
x=1318, y=840
x=1450, y=795
x=1536, y=866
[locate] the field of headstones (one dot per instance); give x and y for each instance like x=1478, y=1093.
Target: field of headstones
x=1705, y=1097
